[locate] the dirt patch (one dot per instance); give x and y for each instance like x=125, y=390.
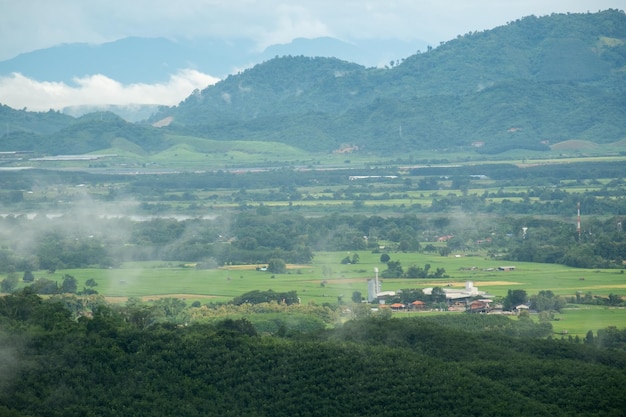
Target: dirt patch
x=488, y=283
x=462, y=284
x=145, y=298
x=339, y=281
x=574, y=144
x=602, y=287
x=252, y=267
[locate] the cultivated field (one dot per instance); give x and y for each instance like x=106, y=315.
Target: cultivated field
x=326, y=280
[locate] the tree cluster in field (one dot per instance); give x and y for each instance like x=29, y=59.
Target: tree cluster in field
x=395, y=270
x=115, y=363
x=68, y=285
x=258, y=297
x=612, y=299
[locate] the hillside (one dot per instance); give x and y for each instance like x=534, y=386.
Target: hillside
x=86, y=134
x=528, y=85
x=23, y=121
x=552, y=78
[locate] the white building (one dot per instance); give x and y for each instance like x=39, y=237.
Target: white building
x=452, y=294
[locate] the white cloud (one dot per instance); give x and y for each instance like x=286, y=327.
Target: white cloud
x=290, y=22
x=18, y=91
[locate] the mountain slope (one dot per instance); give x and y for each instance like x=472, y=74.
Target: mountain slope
x=533, y=81
x=89, y=133
x=22, y=121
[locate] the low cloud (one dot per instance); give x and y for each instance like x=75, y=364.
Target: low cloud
x=18, y=91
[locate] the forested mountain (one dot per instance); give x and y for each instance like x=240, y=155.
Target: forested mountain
x=550, y=79
x=23, y=121
x=66, y=135
x=529, y=84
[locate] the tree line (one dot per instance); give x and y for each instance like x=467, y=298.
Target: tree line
x=257, y=237
x=112, y=363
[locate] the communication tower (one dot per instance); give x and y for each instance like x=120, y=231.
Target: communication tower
x=578, y=220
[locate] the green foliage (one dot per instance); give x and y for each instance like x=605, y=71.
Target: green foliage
x=355, y=258
x=69, y=285
x=438, y=295
x=611, y=337
x=276, y=266
x=9, y=283
x=28, y=276
x=394, y=270
x=57, y=249
x=513, y=299
x=258, y=297
x=109, y=365
x=547, y=301
x=46, y=286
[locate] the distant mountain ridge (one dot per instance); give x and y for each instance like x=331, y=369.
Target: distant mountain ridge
x=151, y=60
x=531, y=82
x=526, y=85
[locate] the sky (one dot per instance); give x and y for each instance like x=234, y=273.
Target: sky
x=27, y=25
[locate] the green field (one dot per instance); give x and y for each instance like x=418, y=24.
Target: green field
x=152, y=280
x=578, y=320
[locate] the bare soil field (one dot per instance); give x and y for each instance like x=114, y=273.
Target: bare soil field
x=146, y=298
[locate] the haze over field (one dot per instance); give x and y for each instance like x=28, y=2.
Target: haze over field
x=32, y=25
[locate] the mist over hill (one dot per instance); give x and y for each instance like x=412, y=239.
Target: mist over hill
x=529, y=84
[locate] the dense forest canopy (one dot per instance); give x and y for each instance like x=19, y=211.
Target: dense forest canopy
x=111, y=364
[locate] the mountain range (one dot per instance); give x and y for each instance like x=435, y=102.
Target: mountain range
x=152, y=60
x=533, y=83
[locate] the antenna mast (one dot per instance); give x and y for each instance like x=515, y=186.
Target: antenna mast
x=578, y=221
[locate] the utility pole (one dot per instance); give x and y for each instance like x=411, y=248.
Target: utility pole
x=578, y=221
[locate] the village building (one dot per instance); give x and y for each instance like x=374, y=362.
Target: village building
x=464, y=294
x=506, y=268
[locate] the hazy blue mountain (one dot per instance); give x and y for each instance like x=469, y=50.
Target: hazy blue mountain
x=130, y=60
x=150, y=60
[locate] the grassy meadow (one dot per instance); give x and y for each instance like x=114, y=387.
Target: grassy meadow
x=327, y=279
